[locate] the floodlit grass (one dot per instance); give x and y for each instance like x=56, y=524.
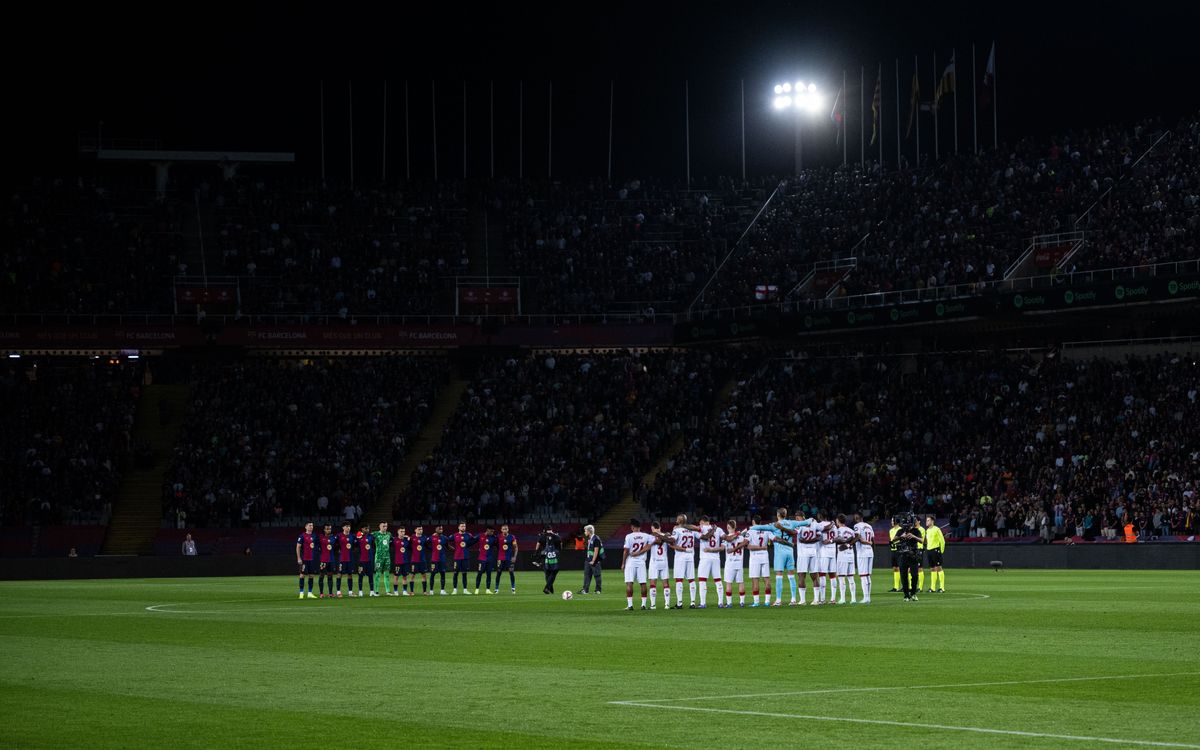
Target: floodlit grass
x=240, y=662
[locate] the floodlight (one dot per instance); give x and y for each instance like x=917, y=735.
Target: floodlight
x=778, y=89
x=787, y=88
x=783, y=102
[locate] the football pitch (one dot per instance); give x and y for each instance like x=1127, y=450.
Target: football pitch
x=1019, y=659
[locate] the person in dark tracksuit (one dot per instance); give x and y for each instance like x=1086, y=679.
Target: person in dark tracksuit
x=594, y=551
x=910, y=539
x=549, y=545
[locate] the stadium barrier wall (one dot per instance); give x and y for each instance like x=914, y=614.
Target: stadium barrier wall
x=979, y=555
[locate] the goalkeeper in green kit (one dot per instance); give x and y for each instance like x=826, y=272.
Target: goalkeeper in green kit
x=383, y=556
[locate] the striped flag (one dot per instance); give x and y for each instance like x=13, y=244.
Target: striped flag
x=875, y=104
x=914, y=100
x=838, y=115
x=946, y=85
x=989, y=75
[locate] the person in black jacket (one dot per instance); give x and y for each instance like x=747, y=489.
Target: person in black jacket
x=909, y=540
x=594, y=551
x=549, y=545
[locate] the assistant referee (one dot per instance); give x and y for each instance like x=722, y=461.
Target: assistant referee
x=935, y=546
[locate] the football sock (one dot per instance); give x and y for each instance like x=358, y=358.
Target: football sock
x=301, y=584
x=653, y=595
x=866, y=587
x=779, y=584
x=792, y=583
x=921, y=580
x=703, y=592
x=896, y=579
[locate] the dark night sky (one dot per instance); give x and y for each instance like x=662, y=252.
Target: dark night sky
x=220, y=77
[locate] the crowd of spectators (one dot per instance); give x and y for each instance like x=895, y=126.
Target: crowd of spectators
x=1000, y=445
x=269, y=438
x=66, y=438
x=337, y=251
x=554, y=433
x=965, y=219
x=79, y=246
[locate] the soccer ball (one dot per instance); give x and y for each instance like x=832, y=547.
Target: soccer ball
x=567, y=595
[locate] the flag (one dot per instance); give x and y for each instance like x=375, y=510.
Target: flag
x=989, y=75
x=946, y=85
x=913, y=102
x=838, y=116
x=875, y=102
x=764, y=292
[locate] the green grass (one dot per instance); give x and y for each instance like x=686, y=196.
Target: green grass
x=239, y=662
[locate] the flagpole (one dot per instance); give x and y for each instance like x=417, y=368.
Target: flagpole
x=492, y=129
x=322, y=131
x=464, y=130
x=407, y=152
x=610, y=119
x=880, y=116
x=383, y=170
x=934, y=108
x=433, y=108
x=743, y=130
x=350, y=91
x=917, y=114
x=954, y=59
x=898, y=151
x=521, y=130
x=687, y=134
x=974, y=102
x=862, y=117
x=843, y=122
x=995, y=127
x=550, y=130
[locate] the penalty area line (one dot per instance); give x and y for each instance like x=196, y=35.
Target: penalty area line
x=878, y=689
x=914, y=725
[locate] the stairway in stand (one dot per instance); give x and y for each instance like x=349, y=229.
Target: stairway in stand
x=426, y=440
x=137, y=513
x=627, y=507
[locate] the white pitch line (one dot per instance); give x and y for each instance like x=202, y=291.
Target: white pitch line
x=914, y=725
x=917, y=687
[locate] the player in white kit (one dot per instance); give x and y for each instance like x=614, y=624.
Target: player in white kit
x=824, y=558
x=660, y=566
x=806, y=557
x=633, y=561
x=735, y=545
x=760, y=561
x=710, y=561
x=843, y=538
x=683, y=541
x=864, y=554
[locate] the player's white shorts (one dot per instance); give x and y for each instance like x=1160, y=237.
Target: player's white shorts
x=866, y=562
x=760, y=568
x=806, y=563
x=845, y=563
x=826, y=564
x=710, y=567
x=659, y=570
x=635, y=572
x=685, y=566
x=734, y=572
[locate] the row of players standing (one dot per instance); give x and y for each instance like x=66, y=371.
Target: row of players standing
x=332, y=557
x=831, y=551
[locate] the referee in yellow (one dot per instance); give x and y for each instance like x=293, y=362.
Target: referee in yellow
x=895, y=558
x=935, y=546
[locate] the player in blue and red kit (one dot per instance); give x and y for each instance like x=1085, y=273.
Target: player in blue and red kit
x=438, y=547
x=345, y=548
x=508, y=558
x=306, y=556
x=328, y=550
x=462, y=559
x=400, y=562
x=366, y=559
x=418, y=561
x=487, y=559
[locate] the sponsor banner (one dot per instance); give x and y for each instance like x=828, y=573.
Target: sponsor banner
x=98, y=337
x=487, y=295
x=198, y=295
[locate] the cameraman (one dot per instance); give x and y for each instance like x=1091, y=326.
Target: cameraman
x=910, y=539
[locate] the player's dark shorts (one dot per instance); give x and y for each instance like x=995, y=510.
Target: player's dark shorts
x=437, y=566
x=504, y=565
x=326, y=567
x=346, y=567
x=366, y=568
x=487, y=566
x=310, y=567
x=933, y=558
x=462, y=566
x=419, y=567
x=400, y=569
x=895, y=559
